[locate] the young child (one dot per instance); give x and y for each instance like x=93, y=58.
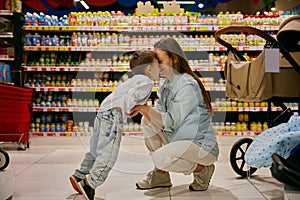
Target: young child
x=108, y=125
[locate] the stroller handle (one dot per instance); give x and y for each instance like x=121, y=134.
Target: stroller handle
x=250, y=29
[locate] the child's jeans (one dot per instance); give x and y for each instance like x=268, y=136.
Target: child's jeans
x=104, y=148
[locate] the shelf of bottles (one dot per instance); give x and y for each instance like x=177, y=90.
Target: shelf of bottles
x=110, y=31
x=6, y=13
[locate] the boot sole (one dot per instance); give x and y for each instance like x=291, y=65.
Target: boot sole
x=74, y=184
x=163, y=186
x=82, y=191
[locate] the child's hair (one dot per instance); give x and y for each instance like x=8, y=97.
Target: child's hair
x=141, y=59
x=173, y=49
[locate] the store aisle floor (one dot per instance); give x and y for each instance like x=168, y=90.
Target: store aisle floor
x=42, y=173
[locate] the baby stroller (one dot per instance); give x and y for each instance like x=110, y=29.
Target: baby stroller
x=248, y=81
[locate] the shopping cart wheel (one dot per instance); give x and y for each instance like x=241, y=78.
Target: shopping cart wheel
x=4, y=159
x=237, y=154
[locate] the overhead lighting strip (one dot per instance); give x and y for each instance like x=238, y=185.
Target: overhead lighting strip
x=178, y=2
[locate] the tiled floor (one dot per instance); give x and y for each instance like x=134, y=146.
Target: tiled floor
x=42, y=173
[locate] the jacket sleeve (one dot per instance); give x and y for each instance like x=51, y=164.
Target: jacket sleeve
x=138, y=94
x=185, y=99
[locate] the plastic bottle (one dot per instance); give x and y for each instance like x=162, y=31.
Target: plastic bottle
x=239, y=18
x=114, y=39
x=220, y=19
x=233, y=17
x=107, y=39
x=211, y=59
x=242, y=39
x=127, y=39
x=216, y=60
x=227, y=19
x=214, y=20
x=249, y=40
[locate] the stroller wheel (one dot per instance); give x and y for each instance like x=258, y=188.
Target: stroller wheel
x=237, y=154
x=4, y=159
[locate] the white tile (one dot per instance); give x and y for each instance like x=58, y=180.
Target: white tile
x=67, y=156
x=43, y=172
x=41, y=186
x=118, y=187
x=266, y=184
x=131, y=162
x=48, y=171
x=204, y=197
x=280, y=197
x=53, y=197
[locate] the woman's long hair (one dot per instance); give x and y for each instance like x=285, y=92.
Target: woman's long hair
x=173, y=50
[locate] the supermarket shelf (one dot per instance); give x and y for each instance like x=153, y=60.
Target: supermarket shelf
x=134, y=48
x=237, y=133
x=247, y=109
x=73, y=89
x=77, y=89
x=99, y=68
x=6, y=13
x=6, y=35
x=75, y=69
x=59, y=134
x=207, y=68
x=87, y=48
x=65, y=109
x=187, y=28
x=96, y=109
x=215, y=88
x=76, y=134
x=104, y=89
x=7, y=59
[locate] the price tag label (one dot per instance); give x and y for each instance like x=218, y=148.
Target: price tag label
x=272, y=60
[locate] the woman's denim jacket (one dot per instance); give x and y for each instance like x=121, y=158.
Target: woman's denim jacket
x=184, y=113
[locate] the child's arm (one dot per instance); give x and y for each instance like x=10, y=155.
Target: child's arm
x=139, y=92
x=149, y=113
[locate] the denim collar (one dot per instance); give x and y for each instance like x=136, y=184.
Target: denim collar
x=170, y=84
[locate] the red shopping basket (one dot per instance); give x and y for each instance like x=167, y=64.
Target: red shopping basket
x=15, y=114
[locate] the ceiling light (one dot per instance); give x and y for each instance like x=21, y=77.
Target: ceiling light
x=82, y=3
x=200, y=5
x=178, y=2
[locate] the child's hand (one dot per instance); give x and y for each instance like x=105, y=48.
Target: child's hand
x=135, y=110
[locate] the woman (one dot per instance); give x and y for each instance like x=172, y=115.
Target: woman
x=178, y=133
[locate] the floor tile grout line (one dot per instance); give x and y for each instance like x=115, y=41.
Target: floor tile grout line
x=34, y=163
x=248, y=179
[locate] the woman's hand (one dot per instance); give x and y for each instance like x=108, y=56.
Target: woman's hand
x=149, y=113
x=134, y=111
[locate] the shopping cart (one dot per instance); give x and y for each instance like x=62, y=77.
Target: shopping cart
x=15, y=114
x=275, y=87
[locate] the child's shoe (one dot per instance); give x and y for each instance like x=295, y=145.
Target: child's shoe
x=74, y=180
x=86, y=190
